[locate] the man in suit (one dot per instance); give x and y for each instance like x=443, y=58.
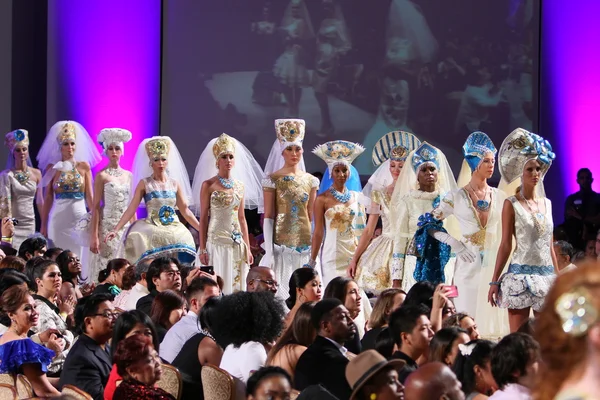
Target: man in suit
x=324, y=361
x=88, y=363
x=163, y=274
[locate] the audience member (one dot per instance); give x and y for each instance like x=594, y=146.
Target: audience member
x=70, y=268
x=9, y=278
x=114, y=277
x=420, y=293
x=197, y=293
x=140, y=289
x=247, y=327
x=138, y=363
x=411, y=329
x=129, y=323
x=463, y=321
x=199, y=350
x=371, y=376
x=433, y=381
x=305, y=286
x=590, y=248
x=52, y=253
x=324, y=361
x=514, y=367
x=385, y=343
x=582, y=209
x=297, y=337
x=473, y=369
x=269, y=383
x=32, y=247
x=163, y=274
x=261, y=279
x=528, y=327
x=127, y=283
x=88, y=364
x=564, y=252
x=444, y=345
x=388, y=301
x=18, y=353
x=13, y=262
x=168, y=307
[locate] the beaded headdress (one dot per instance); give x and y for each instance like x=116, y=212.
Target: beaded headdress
x=67, y=132
x=338, y=152
x=116, y=136
x=518, y=148
x=394, y=146
x=576, y=311
x=290, y=132
x=478, y=144
x=223, y=145
x=16, y=138
x=425, y=153
x=158, y=147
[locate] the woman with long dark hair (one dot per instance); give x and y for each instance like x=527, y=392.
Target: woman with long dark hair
x=473, y=369
x=347, y=291
x=305, y=286
x=167, y=309
x=444, y=345
x=113, y=283
x=70, y=268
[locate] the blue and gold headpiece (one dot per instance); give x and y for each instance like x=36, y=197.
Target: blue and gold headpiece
x=576, y=311
x=158, y=146
x=394, y=146
x=478, y=144
x=290, y=132
x=518, y=148
x=16, y=138
x=425, y=153
x=338, y=152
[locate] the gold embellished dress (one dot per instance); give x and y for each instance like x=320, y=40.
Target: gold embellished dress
x=227, y=251
x=17, y=194
x=161, y=232
x=374, y=268
x=292, y=237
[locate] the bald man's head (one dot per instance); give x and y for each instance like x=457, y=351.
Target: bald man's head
x=261, y=279
x=433, y=381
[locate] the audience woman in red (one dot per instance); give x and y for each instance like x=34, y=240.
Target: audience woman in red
x=139, y=365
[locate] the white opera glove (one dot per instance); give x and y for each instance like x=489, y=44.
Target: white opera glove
x=458, y=247
x=267, y=260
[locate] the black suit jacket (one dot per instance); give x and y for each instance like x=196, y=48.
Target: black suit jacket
x=323, y=363
x=144, y=304
x=87, y=367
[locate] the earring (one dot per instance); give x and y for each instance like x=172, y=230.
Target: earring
x=373, y=396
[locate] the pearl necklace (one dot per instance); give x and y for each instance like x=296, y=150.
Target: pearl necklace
x=116, y=172
x=341, y=197
x=227, y=183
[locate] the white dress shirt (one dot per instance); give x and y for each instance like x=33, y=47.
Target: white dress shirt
x=176, y=337
x=136, y=293
x=241, y=361
x=512, y=391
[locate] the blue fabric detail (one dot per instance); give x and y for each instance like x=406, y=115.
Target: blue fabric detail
x=525, y=269
x=399, y=256
x=181, y=247
x=425, y=153
x=299, y=249
x=476, y=147
x=353, y=182
x=18, y=352
x=114, y=290
x=432, y=255
x=436, y=202
x=166, y=215
x=160, y=194
x=473, y=161
x=69, y=195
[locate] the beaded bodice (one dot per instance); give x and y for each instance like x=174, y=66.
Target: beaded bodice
x=161, y=199
x=532, y=238
x=224, y=224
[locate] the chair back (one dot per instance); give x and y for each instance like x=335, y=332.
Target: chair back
x=75, y=392
x=218, y=384
x=24, y=388
x=8, y=392
x=7, y=379
x=170, y=381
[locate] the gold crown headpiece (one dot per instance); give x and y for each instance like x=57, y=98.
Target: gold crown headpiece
x=158, y=147
x=290, y=132
x=16, y=138
x=67, y=132
x=224, y=144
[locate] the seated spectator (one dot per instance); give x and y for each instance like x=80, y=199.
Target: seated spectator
x=70, y=268
x=444, y=345
x=13, y=262
x=88, y=364
x=463, y=321
x=167, y=309
x=420, y=293
x=140, y=289
x=324, y=361
x=473, y=369
x=297, y=337
x=385, y=343
x=163, y=274
x=129, y=323
x=261, y=279
x=433, y=380
x=247, y=326
x=269, y=383
x=52, y=253
x=564, y=252
x=33, y=247
x=127, y=284
x=139, y=365
x=199, y=350
x=9, y=278
x=388, y=301
x=197, y=293
x=371, y=376
x=514, y=367
x=18, y=353
x=305, y=286
x=411, y=329
x=590, y=249
x=114, y=277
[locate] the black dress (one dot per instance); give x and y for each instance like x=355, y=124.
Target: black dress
x=190, y=368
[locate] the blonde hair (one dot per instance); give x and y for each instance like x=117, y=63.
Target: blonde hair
x=383, y=306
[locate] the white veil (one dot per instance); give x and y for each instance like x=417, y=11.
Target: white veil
x=381, y=179
x=275, y=161
x=175, y=167
x=85, y=147
x=246, y=170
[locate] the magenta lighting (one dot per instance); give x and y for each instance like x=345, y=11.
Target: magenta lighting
x=108, y=60
x=570, y=58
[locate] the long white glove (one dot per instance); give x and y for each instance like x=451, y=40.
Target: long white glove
x=267, y=260
x=459, y=248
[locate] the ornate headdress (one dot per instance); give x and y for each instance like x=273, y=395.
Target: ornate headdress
x=394, y=146
x=116, y=136
x=576, y=311
x=290, y=132
x=338, y=152
x=16, y=138
x=158, y=146
x=518, y=148
x=425, y=153
x=478, y=144
x=67, y=132
x=223, y=145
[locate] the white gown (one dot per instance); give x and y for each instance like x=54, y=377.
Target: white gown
x=16, y=201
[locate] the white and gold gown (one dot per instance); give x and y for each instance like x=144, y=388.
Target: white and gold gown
x=227, y=251
x=161, y=232
x=16, y=201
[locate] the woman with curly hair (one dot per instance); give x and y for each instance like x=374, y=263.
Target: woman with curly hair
x=248, y=326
